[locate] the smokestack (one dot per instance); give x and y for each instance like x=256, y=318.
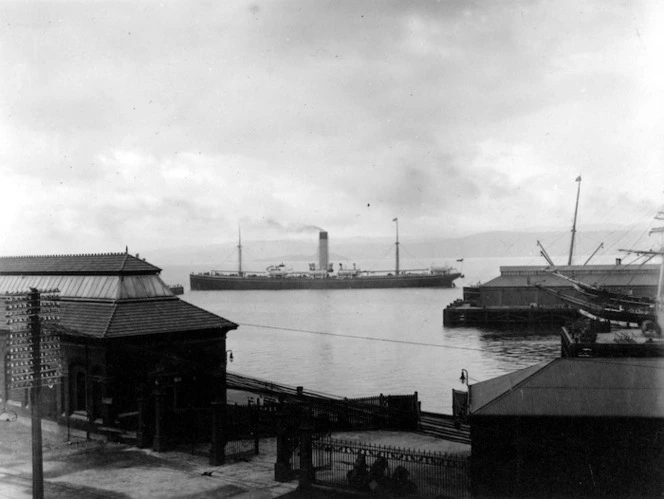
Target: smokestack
x=322, y=251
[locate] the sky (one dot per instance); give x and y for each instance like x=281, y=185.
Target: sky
x=163, y=124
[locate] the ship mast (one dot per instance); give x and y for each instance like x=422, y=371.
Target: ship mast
x=397, y=247
x=239, y=251
x=576, y=210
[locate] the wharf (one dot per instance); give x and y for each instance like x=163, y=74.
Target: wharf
x=460, y=313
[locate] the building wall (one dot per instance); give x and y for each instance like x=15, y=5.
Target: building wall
x=102, y=379
x=567, y=457
x=519, y=296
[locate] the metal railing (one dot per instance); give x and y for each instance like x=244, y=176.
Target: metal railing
x=387, y=471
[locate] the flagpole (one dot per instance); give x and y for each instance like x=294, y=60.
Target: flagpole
x=397, y=246
x=576, y=210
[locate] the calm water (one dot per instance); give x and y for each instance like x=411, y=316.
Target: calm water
x=366, y=342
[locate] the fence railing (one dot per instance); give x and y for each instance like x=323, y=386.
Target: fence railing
x=387, y=471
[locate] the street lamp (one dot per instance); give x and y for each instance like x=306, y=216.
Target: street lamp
x=465, y=379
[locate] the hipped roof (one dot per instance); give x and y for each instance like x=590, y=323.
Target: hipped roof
x=92, y=264
x=104, y=319
x=108, y=295
x=574, y=387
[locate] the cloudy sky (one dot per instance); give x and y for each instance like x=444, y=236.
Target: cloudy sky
x=155, y=125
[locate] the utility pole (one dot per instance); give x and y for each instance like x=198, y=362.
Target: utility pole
x=576, y=210
x=34, y=359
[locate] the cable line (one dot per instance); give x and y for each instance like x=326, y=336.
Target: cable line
x=386, y=340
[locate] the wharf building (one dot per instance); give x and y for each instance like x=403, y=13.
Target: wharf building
x=587, y=424
x=517, y=296
x=133, y=353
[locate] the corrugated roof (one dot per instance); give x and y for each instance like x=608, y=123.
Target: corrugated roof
x=101, y=287
x=94, y=264
x=606, y=387
x=138, y=317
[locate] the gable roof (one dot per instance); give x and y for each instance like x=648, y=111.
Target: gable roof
x=103, y=319
x=595, y=387
x=93, y=264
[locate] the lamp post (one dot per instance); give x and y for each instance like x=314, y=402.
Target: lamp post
x=465, y=379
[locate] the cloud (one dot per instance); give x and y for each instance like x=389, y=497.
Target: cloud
x=150, y=124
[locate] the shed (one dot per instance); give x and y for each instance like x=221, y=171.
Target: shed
x=569, y=427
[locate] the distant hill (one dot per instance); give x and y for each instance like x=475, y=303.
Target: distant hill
x=488, y=244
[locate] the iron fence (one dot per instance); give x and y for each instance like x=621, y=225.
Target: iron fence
x=388, y=471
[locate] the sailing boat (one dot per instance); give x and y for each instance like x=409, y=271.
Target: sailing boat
x=324, y=277
x=646, y=312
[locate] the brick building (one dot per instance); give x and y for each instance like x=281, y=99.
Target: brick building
x=125, y=338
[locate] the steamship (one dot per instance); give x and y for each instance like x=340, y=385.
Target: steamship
x=278, y=277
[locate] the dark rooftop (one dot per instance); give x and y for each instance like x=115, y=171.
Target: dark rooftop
x=92, y=264
x=137, y=317
x=574, y=387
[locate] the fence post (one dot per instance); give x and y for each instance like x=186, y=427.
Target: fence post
x=307, y=471
x=282, y=469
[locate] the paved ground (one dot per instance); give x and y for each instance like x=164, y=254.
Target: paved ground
x=77, y=468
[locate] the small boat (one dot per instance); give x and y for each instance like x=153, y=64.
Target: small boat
x=280, y=277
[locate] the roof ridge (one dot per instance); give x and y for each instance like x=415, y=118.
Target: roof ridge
x=68, y=255
x=545, y=365
x=110, y=319
x=204, y=310
x=124, y=261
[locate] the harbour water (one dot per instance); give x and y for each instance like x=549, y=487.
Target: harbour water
x=364, y=342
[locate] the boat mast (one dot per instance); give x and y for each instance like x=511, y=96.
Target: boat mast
x=397, y=246
x=576, y=210
x=239, y=251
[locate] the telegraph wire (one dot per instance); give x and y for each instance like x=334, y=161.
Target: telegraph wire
x=419, y=343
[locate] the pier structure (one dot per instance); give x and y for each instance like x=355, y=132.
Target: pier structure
x=516, y=298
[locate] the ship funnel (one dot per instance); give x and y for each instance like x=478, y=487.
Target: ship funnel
x=322, y=251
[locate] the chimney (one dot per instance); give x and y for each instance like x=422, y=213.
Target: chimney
x=322, y=251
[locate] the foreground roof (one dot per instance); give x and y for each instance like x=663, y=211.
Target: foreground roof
x=93, y=264
x=574, y=387
x=103, y=319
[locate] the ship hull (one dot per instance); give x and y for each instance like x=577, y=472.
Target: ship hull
x=202, y=282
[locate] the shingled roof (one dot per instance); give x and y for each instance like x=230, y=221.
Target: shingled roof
x=104, y=319
x=573, y=387
x=93, y=264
